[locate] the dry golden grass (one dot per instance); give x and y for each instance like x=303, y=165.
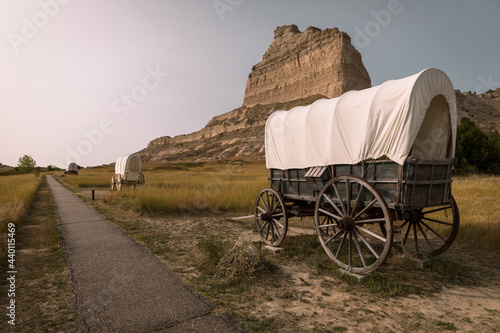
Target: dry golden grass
x=204, y=187
x=478, y=200
x=232, y=186
x=16, y=194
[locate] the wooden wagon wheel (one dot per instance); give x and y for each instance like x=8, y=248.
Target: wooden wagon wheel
x=119, y=184
x=270, y=217
x=113, y=185
x=428, y=232
x=348, y=215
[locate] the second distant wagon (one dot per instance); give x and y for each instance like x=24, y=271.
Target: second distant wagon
x=128, y=172
x=72, y=169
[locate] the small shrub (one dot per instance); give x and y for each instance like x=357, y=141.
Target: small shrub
x=213, y=247
x=242, y=260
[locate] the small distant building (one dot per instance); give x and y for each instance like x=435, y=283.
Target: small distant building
x=72, y=169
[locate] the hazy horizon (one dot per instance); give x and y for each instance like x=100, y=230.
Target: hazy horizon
x=89, y=81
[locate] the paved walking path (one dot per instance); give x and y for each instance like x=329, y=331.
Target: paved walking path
x=118, y=285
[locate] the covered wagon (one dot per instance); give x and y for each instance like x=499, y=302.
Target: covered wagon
x=373, y=167
x=128, y=172
x=72, y=169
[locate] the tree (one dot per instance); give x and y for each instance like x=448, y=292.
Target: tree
x=476, y=151
x=26, y=163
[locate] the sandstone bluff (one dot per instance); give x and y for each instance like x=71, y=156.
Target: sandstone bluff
x=297, y=69
x=302, y=64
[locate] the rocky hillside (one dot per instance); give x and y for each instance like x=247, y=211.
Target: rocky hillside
x=483, y=109
x=234, y=134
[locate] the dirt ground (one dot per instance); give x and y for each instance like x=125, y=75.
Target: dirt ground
x=302, y=298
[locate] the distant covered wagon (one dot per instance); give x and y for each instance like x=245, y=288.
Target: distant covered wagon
x=373, y=167
x=128, y=172
x=72, y=169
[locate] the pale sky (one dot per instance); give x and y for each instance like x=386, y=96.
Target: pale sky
x=87, y=81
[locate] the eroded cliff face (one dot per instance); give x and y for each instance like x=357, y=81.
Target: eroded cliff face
x=237, y=133
x=297, y=69
x=302, y=64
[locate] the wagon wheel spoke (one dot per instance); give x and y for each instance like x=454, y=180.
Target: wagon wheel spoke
x=437, y=209
x=368, y=245
x=272, y=206
x=330, y=214
x=348, y=197
x=265, y=206
x=417, y=250
x=270, y=217
x=437, y=221
x=340, y=245
x=278, y=223
x=433, y=230
x=407, y=233
x=425, y=236
x=340, y=199
x=334, y=236
x=327, y=223
x=374, y=235
x=369, y=221
x=365, y=209
x=349, y=267
x=356, y=201
x=360, y=245
x=333, y=205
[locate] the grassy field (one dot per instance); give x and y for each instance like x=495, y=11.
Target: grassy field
x=42, y=289
x=232, y=186
x=478, y=200
x=180, y=215
x=16, y=194
x=204, y=187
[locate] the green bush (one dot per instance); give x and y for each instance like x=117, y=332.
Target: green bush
x=477, y=151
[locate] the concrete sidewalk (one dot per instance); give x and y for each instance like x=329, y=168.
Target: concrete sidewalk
x=118, y=285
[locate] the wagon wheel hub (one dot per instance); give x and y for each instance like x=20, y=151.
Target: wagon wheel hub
x=346, y=223
x=266, y=217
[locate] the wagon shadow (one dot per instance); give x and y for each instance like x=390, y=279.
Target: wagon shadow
x=398, y=276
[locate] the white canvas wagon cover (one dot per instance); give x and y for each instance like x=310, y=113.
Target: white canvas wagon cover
x=72, y=167
x=128, y=164
x=415, y=115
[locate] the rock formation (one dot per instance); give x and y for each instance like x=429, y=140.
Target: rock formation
x=297, y=69
x=483, y=109
x=302, y=64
